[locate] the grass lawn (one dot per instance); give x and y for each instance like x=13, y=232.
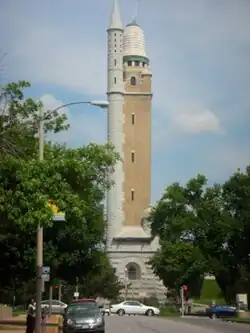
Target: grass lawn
x=209, y=301
x=168, y=312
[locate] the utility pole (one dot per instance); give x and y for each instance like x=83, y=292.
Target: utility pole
x=182, y=301
x=77, y=287
x=60, y=291
x=50, y=298
x=39, y=241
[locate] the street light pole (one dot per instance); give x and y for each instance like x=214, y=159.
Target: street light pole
x=39, y=241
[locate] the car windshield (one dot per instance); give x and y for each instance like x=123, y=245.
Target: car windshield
x=82, y=308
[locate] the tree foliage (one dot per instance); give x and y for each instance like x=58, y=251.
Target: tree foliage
x=204, y=230
x=75, y=179
x=19, y=118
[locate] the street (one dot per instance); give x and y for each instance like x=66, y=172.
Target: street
x=141, y=324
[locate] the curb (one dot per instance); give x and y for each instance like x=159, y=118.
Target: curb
x=236, y=321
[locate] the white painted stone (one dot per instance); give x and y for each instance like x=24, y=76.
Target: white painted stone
x=115, y=94
x=135, y=244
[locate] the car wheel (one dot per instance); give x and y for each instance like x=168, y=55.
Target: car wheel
x=150, y=313
x=213, y=316
x=121, y=312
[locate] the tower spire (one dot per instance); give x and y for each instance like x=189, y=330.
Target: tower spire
x=137, y=5
x=115, y=20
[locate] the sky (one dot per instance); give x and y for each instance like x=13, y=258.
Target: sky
x=199, y=53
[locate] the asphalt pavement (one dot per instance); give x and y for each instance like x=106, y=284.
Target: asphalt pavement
x=143, y=324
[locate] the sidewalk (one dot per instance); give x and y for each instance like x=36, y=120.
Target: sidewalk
x=12, y=327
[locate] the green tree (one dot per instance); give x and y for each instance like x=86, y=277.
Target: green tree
x=101, y=280
x=76, y=179
x=19, y=118
x=234, y=275
x=177, y=264
x=190, y=224
x=204, y=230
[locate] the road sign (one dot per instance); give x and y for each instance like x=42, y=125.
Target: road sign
x=46, y=270
x=76, y=294
x=59, y=217
x=46, y=273
x=46, y=277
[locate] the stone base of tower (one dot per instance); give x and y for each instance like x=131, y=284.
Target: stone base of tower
x=132, y=270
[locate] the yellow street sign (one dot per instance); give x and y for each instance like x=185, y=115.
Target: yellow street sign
x=57, y=215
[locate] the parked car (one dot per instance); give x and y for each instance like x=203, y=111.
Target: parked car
x=134, y=308
x=220, y=311
x=83, y=317
x=57, y=306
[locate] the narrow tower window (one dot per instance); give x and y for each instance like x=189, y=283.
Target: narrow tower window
x=115, y=62
x=133, y=81
x=132, y=156
x=132, y=195
x=133, y=118
x=114, y=80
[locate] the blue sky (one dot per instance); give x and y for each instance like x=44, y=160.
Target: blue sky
x=199, y=51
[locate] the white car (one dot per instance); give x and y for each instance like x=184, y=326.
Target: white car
x=133, y=308
x=57, y=306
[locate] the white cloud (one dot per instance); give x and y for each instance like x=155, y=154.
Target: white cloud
x=51, y=103
x=197, y=122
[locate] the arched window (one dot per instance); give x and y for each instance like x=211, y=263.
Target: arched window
x=132, y=274
x=133, y=271
x=133, y=81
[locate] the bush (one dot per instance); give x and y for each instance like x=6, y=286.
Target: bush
x=168, y=311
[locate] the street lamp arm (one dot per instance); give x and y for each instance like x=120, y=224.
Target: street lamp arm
x=101, y=104
x=68, y=104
